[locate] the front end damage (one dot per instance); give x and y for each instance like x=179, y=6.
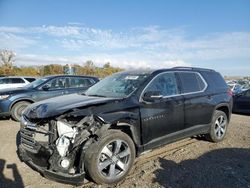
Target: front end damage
x=56, y=147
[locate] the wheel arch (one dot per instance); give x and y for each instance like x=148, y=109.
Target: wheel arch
x=224, y=108
x=129, y=130
x=20, y=100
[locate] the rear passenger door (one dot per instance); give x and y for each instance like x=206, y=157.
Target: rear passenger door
x=197, y=104
x=78, y=84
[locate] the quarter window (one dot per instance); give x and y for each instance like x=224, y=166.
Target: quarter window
x=165, y=84
x=30, y=79
x=17, y=81
x=191, y=82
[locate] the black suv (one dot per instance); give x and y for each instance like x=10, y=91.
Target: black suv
x=14, y=100
x=101, y=131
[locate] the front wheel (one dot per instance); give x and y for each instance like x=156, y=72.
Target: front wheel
x=18, y=108
x=218, y=128
x=109, y=160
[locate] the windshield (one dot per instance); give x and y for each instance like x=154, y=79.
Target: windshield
x=118, y=85
x=36, y=83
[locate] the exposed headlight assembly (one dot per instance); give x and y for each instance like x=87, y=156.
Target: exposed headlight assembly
x=66, y=136
x=4, y=96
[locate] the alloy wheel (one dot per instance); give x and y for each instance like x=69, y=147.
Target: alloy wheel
x=220, y=126
x=114, y=159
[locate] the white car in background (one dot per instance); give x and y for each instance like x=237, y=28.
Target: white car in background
x=15, y=81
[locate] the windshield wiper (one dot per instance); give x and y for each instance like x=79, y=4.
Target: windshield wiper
x=96, y=95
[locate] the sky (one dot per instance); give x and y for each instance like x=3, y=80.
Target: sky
x=130, y=34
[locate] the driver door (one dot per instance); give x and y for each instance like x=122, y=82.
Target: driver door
x=163, y=112
x=54, y=88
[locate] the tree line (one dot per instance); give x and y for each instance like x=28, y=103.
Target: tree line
x=7, y=68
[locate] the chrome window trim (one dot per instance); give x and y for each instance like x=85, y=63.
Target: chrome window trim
x=181, y=94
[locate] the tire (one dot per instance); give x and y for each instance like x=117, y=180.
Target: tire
x=110, y=159
x=18, y=108
x=218, y=127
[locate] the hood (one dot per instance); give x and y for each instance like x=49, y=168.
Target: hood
x=13, y=91
x=58, y=105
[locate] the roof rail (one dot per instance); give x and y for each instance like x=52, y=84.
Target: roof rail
x=193, y=68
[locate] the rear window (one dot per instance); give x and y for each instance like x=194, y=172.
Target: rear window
x=191, y=82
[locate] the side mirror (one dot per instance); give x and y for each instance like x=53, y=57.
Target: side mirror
x=45, y=87
x=152, y=96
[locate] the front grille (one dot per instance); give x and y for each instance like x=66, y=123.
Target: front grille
x=33, y=136
x=27, y=140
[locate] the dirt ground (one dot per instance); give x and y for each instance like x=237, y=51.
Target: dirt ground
x=188, y=163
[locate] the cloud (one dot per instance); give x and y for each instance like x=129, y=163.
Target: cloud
x=4, y=29
x=99, y=60
x=151, y=46
x=13, y=41
x=57, y=31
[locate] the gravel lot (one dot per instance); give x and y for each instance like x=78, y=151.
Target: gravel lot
x=188, y=163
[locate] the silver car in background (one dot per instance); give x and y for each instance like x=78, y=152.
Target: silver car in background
x=15, y=81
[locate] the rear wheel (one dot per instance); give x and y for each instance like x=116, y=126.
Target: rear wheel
x=109, y=160
x=218, y=128
x=18, y=108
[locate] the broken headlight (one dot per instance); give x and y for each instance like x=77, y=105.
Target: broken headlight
x=66, y=137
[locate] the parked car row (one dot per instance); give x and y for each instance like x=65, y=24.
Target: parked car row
x=238, y=86
x=100, y=132
x=13, y=101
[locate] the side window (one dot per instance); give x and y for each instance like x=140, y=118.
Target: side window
x=79, y=82
x=165, y=84
x=191, y=82
x=56, y=83
x=17, y=81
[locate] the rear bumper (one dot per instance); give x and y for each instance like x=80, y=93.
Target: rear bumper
x=76, y=179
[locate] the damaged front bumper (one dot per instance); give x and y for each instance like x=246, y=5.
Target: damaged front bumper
x=75, y=179
x=55, y=149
